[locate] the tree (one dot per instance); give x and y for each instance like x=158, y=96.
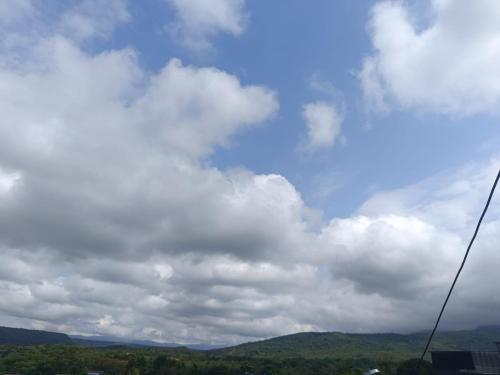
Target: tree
x=414, y=367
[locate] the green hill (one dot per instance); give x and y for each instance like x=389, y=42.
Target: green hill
x=312, y=345
x=383, y=345
x=21, y=336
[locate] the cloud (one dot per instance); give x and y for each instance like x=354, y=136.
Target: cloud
x=198, y=22
x=8, y=181
x=447, y=66
x=323, y=125
x=13, y=10
x=24, y=23
x=94, y=18
x=379, y=254
x=181, y=115
x=113, y=220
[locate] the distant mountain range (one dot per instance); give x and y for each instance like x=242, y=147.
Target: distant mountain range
x=306, y=344
x=102, y=341
x=21, y=336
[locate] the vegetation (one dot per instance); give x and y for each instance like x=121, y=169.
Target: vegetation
x=59, y=359
x=387, y=346
x=414, y=367
x=303, y=353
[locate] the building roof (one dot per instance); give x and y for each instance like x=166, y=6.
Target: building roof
x=466, y=361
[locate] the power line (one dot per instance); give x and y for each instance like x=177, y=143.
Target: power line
x=461, y=266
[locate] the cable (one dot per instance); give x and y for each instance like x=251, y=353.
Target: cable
x=461, y=267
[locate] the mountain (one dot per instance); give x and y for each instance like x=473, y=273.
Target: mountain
x=21, y=336
x=388, y=345
x=306, y=344
x=99, y=341
x=103, y=341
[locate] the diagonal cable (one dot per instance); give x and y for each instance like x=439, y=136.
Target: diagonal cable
x=461, y=266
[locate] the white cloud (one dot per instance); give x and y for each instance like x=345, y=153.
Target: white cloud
x=8, y=181
x=450, y=66
x=197, y=109
x=91, y=18
x=199, y=21
x=391, y=250
x=24, y=23
x=323, y=125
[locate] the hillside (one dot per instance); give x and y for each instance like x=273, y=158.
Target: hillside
x=307, y=344
x=383, y=345
x=21, y=336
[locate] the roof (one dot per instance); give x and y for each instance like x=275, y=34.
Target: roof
x=466, y=361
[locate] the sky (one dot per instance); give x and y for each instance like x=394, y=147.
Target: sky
x=223, y=171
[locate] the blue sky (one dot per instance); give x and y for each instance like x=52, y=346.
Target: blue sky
x=224, y=171
x=285, y=46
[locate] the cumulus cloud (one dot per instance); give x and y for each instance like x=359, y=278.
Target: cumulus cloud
x=94, y=18
x=182, y=114
x=199, y=21
x=323, y=122
x=448, y=66
x=113, y=221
